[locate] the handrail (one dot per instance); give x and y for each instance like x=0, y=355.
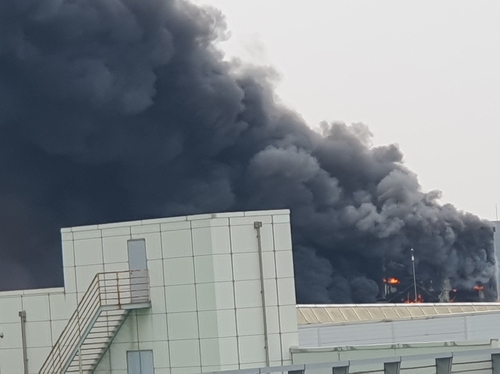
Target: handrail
x=108, y=289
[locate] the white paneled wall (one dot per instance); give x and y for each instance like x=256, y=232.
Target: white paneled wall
x=47, y=312
x=466, y=327
x=207, y=311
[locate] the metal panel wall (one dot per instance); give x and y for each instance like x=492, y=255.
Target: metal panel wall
x=474, y=327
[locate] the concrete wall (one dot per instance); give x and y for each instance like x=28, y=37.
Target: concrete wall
x=207, y=312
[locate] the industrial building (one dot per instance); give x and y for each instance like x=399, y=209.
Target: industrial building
x=214, y=293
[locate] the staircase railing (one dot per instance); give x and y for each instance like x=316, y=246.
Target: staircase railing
x=107, y=291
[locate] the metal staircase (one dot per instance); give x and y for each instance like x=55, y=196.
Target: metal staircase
x=96, y=320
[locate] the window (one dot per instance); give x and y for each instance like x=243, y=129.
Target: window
x=140, y=362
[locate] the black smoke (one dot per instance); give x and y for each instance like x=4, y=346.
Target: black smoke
x=123, y=109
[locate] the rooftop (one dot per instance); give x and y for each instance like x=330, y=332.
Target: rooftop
x=352, y=313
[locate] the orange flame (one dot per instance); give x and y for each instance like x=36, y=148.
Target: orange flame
x=420, y=299
x=391, y=280
x=478, y=288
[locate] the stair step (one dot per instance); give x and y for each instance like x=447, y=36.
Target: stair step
x=96, y=321
x=94, y=343
x=101, y=332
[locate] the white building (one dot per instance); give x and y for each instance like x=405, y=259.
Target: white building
x=210, y=293
x=200, y=309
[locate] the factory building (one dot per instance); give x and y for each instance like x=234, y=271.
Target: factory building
x=213, y=293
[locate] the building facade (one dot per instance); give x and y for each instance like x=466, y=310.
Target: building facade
x=220, y=296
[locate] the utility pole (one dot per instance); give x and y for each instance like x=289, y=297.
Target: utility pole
x=414, y=276
x=22, y=315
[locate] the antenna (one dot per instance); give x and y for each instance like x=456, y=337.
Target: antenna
x=414, y=275
x=496, y=211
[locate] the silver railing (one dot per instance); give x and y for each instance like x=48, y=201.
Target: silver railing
x=107, y=291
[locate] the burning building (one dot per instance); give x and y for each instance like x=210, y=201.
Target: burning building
x=403, y=284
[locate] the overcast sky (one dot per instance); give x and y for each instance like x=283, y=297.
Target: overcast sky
x=423, y=74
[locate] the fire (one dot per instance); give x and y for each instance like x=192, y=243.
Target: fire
x=478, y=288
x=420, y=299
x=391, y=280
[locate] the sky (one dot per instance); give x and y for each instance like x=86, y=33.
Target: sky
x=424, y=75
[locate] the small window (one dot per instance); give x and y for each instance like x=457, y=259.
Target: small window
x=140, y=362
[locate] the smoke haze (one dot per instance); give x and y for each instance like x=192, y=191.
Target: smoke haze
x=123, y=109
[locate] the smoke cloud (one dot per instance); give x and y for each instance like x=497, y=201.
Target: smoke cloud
x=123, y=109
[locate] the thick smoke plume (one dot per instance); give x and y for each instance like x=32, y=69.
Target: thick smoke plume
x=124, y=109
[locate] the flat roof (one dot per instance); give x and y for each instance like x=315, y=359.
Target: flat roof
x=349, y=313
x=195, y=217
